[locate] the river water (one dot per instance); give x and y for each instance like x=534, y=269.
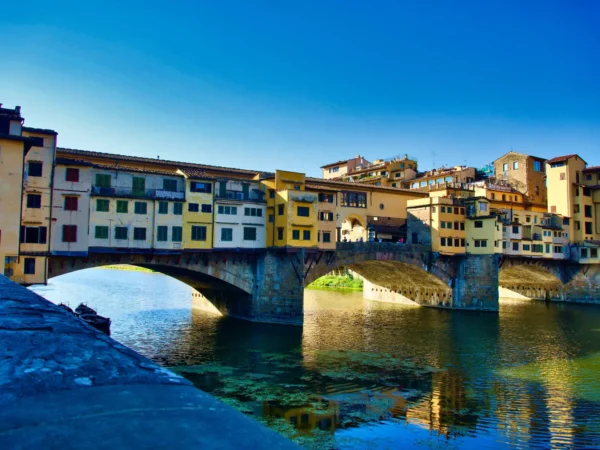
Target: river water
x=362, y=374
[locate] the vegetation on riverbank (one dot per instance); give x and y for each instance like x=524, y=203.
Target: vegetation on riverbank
x=337, y=282
x=127, y=267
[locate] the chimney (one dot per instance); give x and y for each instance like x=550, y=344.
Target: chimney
x=18, y=110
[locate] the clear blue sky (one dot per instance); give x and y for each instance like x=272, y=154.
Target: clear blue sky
x=297, y=84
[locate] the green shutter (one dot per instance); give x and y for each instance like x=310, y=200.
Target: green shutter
x=222, y=188
x=139, y=186
x=176, y=234
x=246, y=189
x=122, y=206
x=161, y=235
x=102, y=205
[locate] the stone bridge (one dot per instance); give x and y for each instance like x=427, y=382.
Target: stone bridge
x=268, y=285
x=548, y=279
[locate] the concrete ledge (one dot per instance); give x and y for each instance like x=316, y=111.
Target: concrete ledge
x=64, y=384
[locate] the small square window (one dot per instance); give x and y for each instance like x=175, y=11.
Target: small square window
x=139, y=234
x=296, y=235
x=72, y=175
x=34, y=201
x=306, y=235
x=34, y=169
x=71, y=203
x=178, y=209
x=121, y=233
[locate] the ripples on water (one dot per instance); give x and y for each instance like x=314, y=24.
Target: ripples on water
x=362, y=374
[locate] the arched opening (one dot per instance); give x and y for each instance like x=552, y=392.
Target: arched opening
x=208, y=293
x=528, y=282
x=398, y=282
x=354, y=229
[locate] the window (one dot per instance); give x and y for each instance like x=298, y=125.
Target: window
x=163, y=207
x=505, y=167
x=139, y=234
x=326, y=216
x=176, y=234
x=462, y=242
x=161, y=233
x=102, y=205
x=558, y=249
x=515, y=229
x=249, y=233
x=34, y=200
x=306, y=235
x=121, y=233
x=327, y=198
x=480, y=243
x=226, y=234
x=196, y=186
x=69, y=233
x=296, y=235
x=169, y=185
x=227, y=210
x=140, y=207
x=122, y=206
x=139, y=186
x=280, y=233
x=326, y=236
x=199, y=233
x=456, y=226
x=526, y=247
x=449, y=242
x=296, y=187
x=462, y=226
x=206, y=208
x=303, y=211
x=493, y=196
x=280, y=210
x=443, y=224
x=29, y=266
x=443, y=242
x=515, y=165
x=537, y=166
x=178, y=209
x=537, y=190
x=193, y=207
x=72, y=175
x=71, y=203
x=101, y=232
x=271, y=218
x=515, y=246
x=34, y=169
x=443, y=209
x=354, y=199
x=587, y=211
x=588, y=228
x=103, y=180
x=393, y=184
x=457, y=242
x=253, y=212
x=593, y=252
x=483, y=207
x=33, y=235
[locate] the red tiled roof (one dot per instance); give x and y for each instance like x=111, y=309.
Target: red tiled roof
x=164, y=162
x=560, y=159
x=132, y=169
x=316, y=182
x=196, y=174
x=73, y=162
x=592, y=169
x=335, y=163
x=39, y=130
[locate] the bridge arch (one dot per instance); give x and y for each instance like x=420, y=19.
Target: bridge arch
x=394, y=272
x=223, y=285
x=522, y=279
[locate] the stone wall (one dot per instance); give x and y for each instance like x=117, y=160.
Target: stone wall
x=64, y=384
x=476, y=283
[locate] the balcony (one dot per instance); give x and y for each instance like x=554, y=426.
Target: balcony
x=127, y=192
x=256, y=196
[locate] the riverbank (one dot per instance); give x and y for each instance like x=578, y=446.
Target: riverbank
x=336, y=282
x=127, y=267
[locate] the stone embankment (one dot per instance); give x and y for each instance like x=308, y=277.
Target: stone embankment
x=65, y=385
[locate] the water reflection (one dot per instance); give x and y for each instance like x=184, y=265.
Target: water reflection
x=372, y=374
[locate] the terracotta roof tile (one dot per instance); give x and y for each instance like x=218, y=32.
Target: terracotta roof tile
x=196, y=174
x=164, y=162
x=592, y=169
x=73, y=162
x=131, y=169
x=39, y=130
x=335, y=163
x=560, y=159
x=315, y=182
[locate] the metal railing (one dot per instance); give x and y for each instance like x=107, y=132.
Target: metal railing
x=137, y=193
x=241, y=196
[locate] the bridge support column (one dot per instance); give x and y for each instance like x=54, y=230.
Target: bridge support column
x=476, y=282
x=278, y=293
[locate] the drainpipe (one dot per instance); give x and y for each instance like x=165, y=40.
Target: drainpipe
x=26, y=148
x=50, y=213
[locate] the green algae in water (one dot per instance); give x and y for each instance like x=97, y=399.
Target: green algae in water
x=577, y=377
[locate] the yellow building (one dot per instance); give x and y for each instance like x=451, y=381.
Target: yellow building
x=198, y=218
x=13, y=150
x=292, y=211
x=483, y=231
x=439, y=222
